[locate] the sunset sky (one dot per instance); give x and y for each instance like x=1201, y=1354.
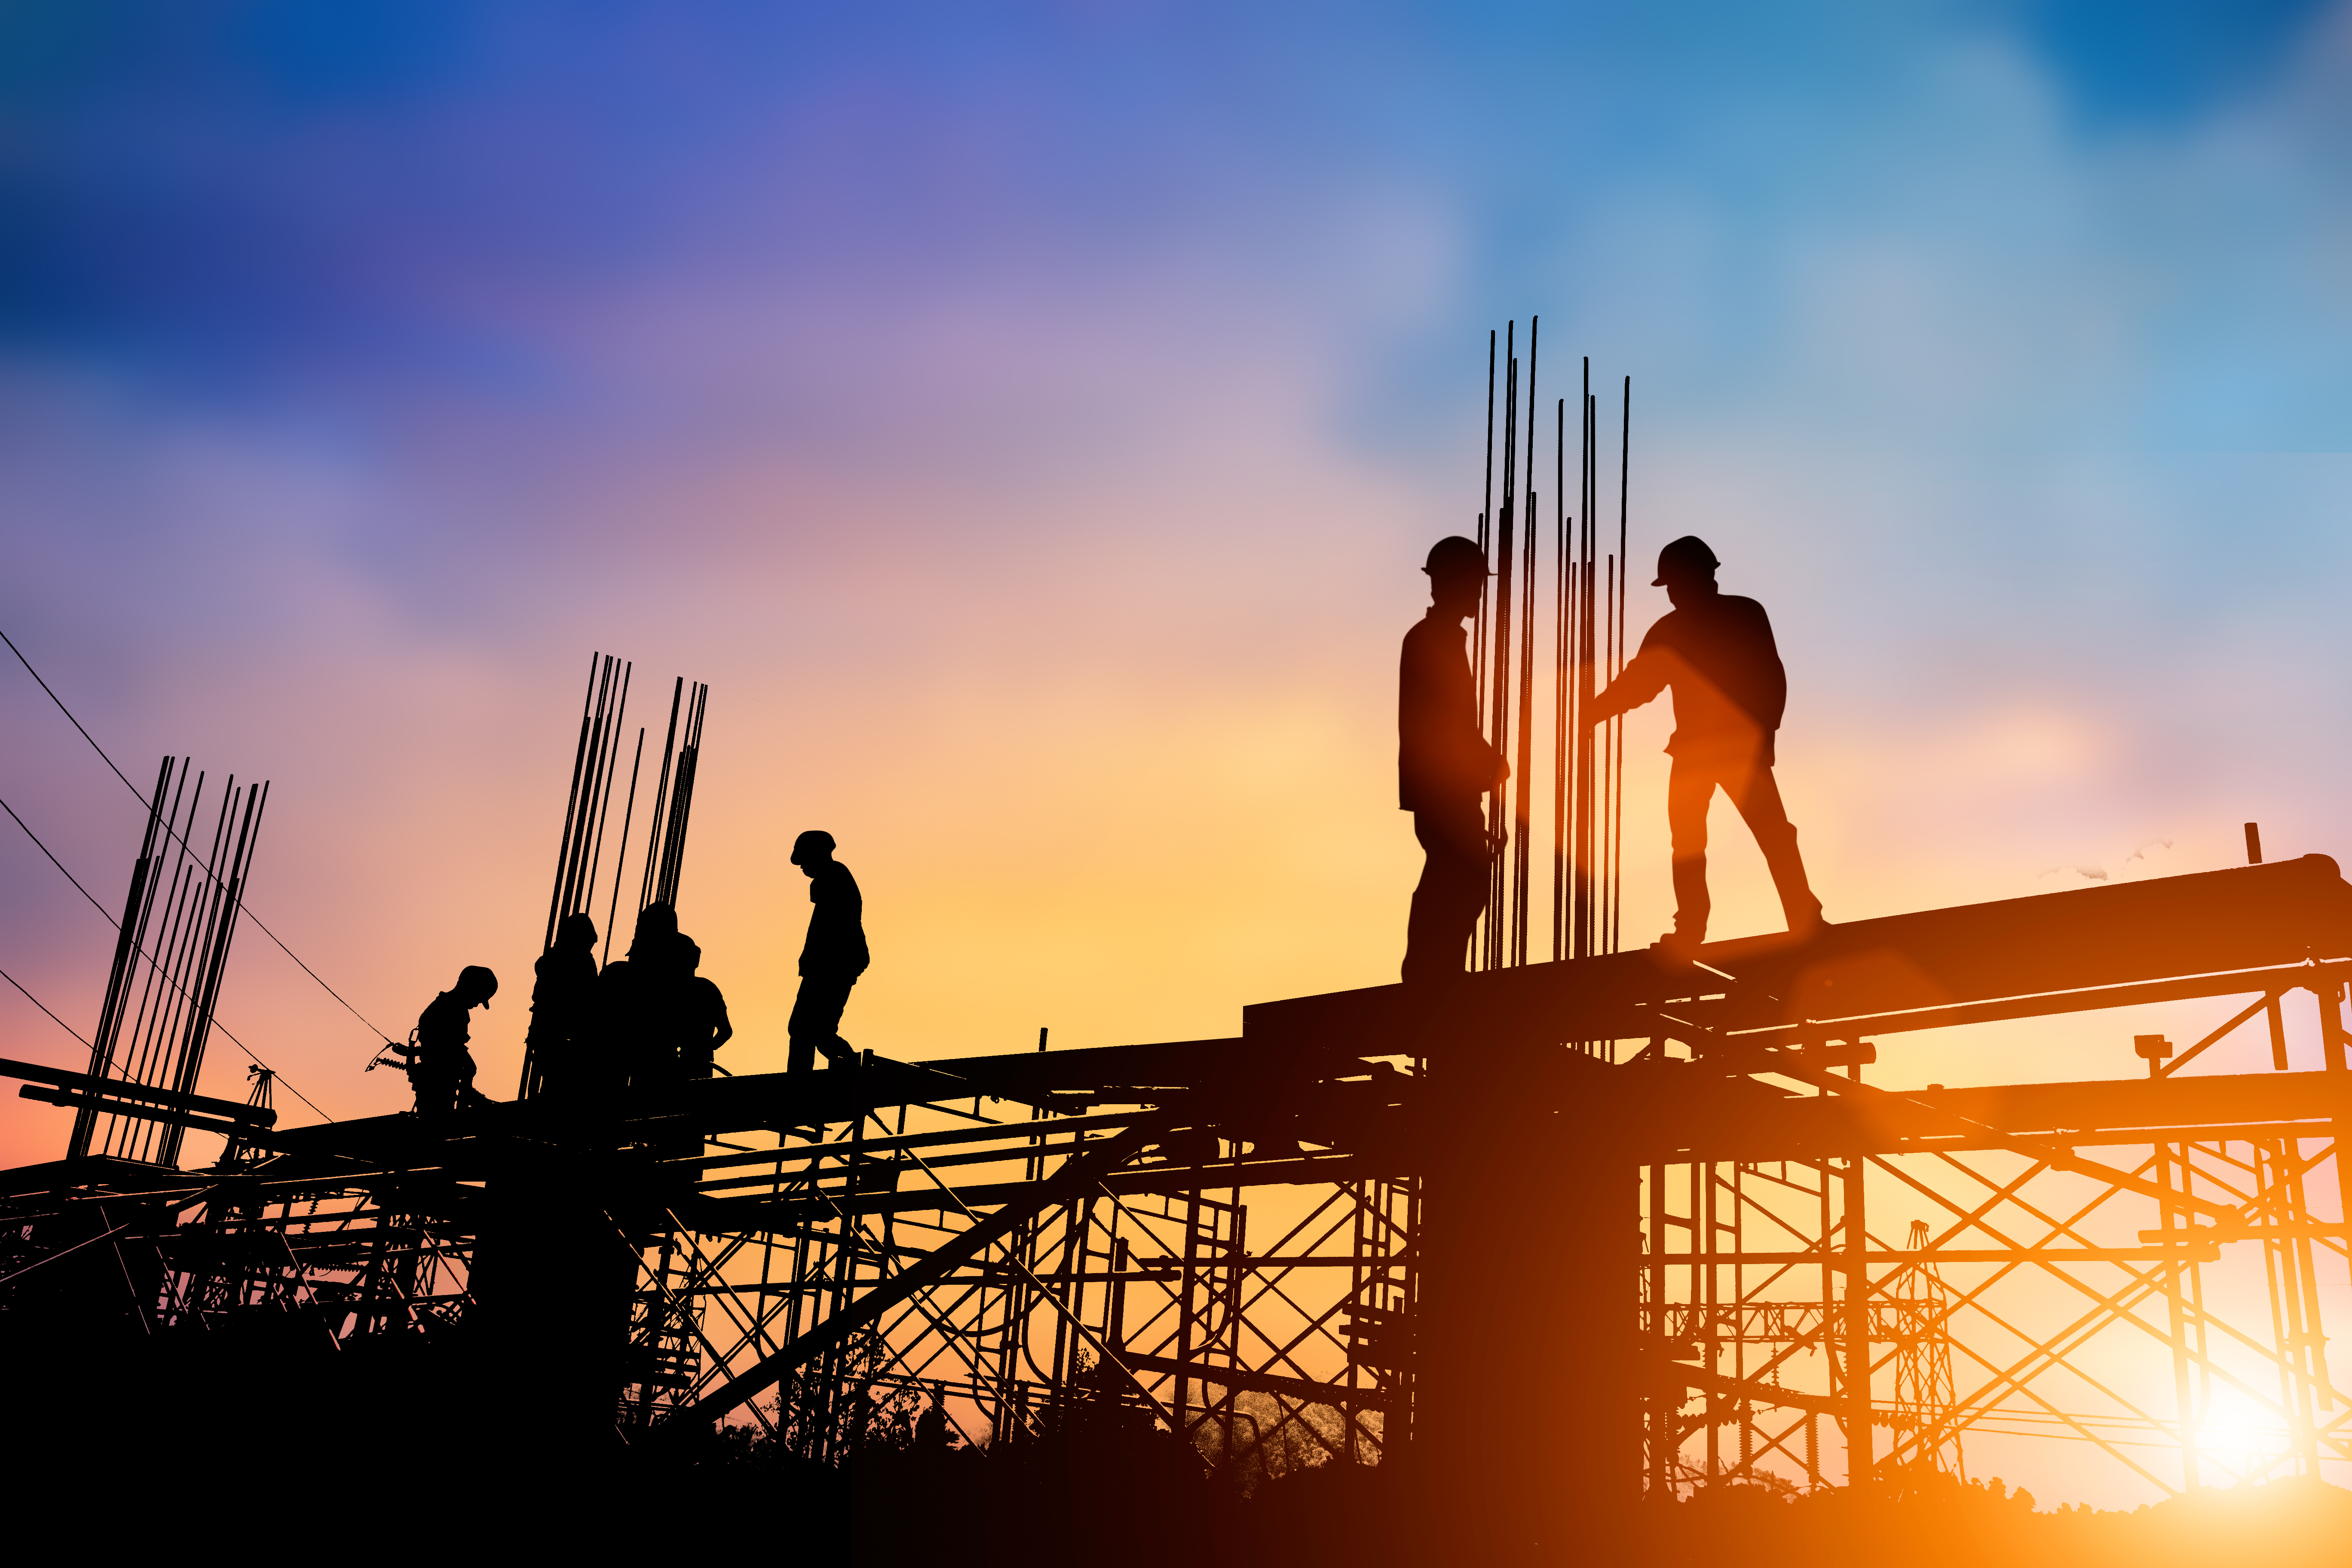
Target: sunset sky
x=1029, y=421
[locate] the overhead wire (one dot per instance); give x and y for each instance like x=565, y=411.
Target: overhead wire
x=44, y=1006
x=141, y=798
x=54, y=861
x=109, y=920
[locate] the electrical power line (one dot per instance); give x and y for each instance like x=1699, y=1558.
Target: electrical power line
x=70, y=1029
x=60, y=1023
x=142, y=800
x=175, y=986
x=59, y=865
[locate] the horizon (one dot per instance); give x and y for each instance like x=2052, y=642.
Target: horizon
x=1030, y=428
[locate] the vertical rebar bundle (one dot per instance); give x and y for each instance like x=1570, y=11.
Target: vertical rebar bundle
x=158, y=1012
x=1586, y=640
x=596, y=767
x=674, y=797
x=590, y=801
x=596, y=770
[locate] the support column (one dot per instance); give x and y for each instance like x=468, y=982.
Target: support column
x=1664, y=1398
x=1528, y=1422
x=2168, y=1214
x=1861, y=1438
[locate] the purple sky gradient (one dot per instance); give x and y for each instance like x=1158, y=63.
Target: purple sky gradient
x=1029, y=422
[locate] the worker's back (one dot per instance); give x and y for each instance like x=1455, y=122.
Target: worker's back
x=836, y=944
x=1730, y=689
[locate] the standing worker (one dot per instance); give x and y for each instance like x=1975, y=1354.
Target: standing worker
x=440, y=1068
x=1716, y=651
x=702, y=1025
x=1444, y=766
x=636, y=997
x=832, y=958
x=562, y=1009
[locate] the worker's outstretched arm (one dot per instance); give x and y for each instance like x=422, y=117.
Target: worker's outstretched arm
x=1637, y=683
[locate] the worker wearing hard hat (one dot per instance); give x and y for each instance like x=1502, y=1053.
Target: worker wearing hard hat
x=831, y=957
x=1445, y=767
x=440, y=1068
x=1716, y=651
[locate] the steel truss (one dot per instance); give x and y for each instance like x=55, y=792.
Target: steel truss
x=1153, y=1294
x=1562, y=1272
x=1142, y=1288
x=2022, y=1302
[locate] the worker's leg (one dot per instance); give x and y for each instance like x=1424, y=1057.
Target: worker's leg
x=1757, y=793
x=1690, y=788
x=839, y=1052
x=803, y=1028
x=466, y=1094
x=1451, y=891
x=817, y=1022
x=437, y=1089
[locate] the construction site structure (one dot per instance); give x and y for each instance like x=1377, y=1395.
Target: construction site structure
x=1557, y=1277
x=1553, y=1237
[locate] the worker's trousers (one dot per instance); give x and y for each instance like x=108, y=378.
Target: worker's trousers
x=1747, y=779
x=1451, y=893
x=816, y=1021
x=444, y=1081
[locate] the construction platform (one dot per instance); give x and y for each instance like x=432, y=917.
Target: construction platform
x=1526, y=1217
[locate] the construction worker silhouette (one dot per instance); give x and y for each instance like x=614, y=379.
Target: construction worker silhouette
x=1444, y=766
x=832, y=958
x=440, y=1068
x=561, y=1006
x=702, y=1024
x=1716, y=651
x=633, y=996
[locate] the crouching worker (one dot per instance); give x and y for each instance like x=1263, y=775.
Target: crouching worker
x=440, y=1068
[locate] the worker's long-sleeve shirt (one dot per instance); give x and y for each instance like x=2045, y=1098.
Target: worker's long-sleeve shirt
x=1729, y=685
x=445, y=1026
x=835, y=948
x=1442, y=758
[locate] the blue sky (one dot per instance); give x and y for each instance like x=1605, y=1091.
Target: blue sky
x=1029, y=419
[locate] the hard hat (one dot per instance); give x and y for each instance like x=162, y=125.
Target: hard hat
x=1455, y=554
x=816, y=840
x=1685, y=557
x=474, y=978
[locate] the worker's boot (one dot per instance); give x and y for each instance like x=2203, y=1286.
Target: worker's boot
x=1691, y=908
x=1678, y=946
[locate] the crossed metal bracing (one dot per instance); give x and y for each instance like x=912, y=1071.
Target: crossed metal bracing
x=1226, y=1234
x=819, y=1257
x=175, y=1252
x=1143, y=1288
x=2168, y=1314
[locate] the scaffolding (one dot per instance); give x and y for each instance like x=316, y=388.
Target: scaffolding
x=1573, y=1233
x=2123, y=1263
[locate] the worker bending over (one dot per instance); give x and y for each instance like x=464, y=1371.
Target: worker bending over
x=440, y=1068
